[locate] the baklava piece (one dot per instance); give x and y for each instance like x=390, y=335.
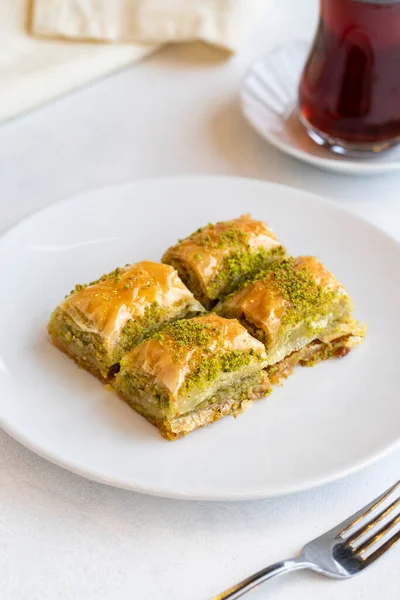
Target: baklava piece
x=216, y=259
x=99, y=322
x=300, y=312
x=193, y=373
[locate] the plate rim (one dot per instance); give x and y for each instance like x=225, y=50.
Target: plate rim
x=352, y=167
x=163, y=491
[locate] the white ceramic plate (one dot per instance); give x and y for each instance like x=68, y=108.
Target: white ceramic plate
x=269, y=98
x=324, y=423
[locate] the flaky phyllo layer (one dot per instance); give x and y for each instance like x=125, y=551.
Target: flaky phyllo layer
x=193, y=372
x=99, y=322
x=292, y=304
x=215, y=259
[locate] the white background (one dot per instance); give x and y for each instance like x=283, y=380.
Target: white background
x=62, y=537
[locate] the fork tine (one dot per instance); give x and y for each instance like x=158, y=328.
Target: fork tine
x=371, y=524
x=381, y=550
x=359, y=516
x=378, y=536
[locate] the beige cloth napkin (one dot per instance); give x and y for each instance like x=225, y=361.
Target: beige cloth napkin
x=34, y=71
x=221, y=22
x=46, y=49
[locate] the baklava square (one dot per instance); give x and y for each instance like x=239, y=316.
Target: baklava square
x=300, y=312
x=193, y=373
x=99, y=322
x=215, y=259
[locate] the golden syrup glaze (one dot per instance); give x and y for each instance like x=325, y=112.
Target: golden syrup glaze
x=105, y=307
x=262, y=303
x=205, y=250
x=170, y=363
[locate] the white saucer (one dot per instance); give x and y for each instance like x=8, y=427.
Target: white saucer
x=269, y=98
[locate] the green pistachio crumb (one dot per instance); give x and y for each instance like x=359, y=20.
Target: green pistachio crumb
x=239, y=267
x=208, y=369
x=142, y=327
x=190, y=333
x=306, y=298
x=114, y=274
x=160, y=337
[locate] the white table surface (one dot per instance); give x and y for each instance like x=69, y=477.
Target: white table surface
x=65, y=538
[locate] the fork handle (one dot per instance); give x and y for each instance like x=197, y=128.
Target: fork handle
x=248, y=584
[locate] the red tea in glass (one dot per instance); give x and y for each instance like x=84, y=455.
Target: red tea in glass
x=349, y=94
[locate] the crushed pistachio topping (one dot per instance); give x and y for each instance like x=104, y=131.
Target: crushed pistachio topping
x=160, y=337
x=207, y=365
x=116, y=274
x=135, y=329
x=307, y=299
x=233, y=236
x=240, y=265
x=212, y=367
x=190, y=333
